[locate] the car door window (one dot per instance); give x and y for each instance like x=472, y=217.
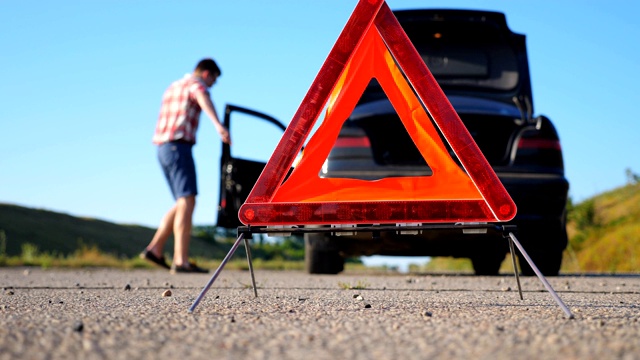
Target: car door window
x=253, y=138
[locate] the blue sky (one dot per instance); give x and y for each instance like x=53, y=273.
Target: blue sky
x=81, y=82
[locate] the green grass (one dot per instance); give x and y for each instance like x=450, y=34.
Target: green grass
x=359, y=285
x=604, y=233
x=92, y=257
x=83, y=257
x=61, y=235
x=34, y=237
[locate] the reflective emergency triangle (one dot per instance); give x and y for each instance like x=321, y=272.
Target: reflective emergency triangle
x=369, y=47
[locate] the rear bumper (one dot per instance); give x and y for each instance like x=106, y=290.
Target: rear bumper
x=541, y=202
x=538, y=197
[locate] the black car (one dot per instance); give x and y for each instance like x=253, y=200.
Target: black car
x=482, y=67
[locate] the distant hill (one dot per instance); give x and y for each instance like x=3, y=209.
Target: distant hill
x=604, y=232
x=57, y=233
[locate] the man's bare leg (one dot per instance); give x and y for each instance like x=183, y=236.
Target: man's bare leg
x=161, y=236
x=182, y=224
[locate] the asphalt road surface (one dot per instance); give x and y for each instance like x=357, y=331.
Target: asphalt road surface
x=116, y=314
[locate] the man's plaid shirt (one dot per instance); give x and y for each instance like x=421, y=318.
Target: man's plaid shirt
x=180, y=112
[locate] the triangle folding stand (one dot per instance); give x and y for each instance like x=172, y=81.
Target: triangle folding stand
x=374, y=45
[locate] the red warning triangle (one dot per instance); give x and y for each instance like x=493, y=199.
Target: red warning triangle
x=370, y=46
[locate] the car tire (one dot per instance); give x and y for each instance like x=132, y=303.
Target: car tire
x=544, y=245
x=321, y=255
x=487, y=264
x=547, y=261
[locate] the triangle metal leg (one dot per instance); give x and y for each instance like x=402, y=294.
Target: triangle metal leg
x=253, y=278
x=515, y=267
x=217, y=272
x=544, y=281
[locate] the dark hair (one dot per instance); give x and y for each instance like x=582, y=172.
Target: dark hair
x=208, y=64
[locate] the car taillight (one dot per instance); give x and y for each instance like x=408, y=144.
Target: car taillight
x=355, y=146
x=533, y=143
x=345, y=142
x=538, y=148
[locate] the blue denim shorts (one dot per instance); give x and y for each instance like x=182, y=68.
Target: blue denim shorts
x=179, y=168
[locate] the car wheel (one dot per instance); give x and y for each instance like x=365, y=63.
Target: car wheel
x=487, y=264
x=548, y=262
x=321, y=255
x=544, y=246
x=488, y=256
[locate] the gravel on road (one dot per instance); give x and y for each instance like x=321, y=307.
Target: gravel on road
x=143, y=314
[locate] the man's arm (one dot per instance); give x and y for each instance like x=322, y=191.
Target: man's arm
x=207, y=106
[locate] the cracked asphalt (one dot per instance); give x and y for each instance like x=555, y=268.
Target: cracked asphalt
x=143, y=314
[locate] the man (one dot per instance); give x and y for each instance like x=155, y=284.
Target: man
x=175, y=135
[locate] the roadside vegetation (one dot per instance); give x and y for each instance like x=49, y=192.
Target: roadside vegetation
x=604, y=237
x=35, y=237
x=604, y=232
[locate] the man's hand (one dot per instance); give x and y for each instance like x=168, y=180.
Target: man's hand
x=224, y=134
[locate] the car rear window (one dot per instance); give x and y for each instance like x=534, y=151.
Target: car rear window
x=472, y=55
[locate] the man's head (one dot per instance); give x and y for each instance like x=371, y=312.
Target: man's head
x=208, y=70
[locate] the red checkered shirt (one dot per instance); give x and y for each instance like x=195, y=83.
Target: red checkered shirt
x=180, y=112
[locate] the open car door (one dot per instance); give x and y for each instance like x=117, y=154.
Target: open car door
x=239, y=174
